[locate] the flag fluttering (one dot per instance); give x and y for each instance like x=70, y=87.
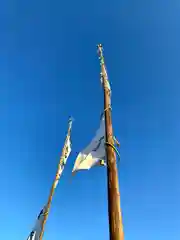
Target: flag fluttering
x=63, y=160
x=94, y=153
x=35, y=233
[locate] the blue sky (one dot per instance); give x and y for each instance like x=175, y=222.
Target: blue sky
x=49, y=70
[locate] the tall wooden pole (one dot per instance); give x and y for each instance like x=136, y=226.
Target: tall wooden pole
x=114, y=209
x=55, y=180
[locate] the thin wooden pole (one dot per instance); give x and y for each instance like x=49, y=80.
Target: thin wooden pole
x=55, y=180
x=114, y=209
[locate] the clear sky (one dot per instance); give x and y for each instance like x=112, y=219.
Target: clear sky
x=49, y=70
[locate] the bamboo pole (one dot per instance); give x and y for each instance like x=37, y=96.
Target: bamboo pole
x=114, y=209
x=56, y=179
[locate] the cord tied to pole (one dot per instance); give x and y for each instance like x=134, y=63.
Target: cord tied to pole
x=114, y=148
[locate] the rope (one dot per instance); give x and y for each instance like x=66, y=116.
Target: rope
x=102, y=114
x=114, y=148
x=46, y=212
x=107, y=109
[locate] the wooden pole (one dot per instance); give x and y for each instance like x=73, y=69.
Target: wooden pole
x=55, y=180
x=114, y=209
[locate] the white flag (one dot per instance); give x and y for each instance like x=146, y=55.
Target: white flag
x=105, y=81
x=67, y=150
x=35, y=233
x=94, y=153
x=64, y=158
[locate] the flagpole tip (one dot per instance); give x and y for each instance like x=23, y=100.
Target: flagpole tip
x=100, y=49
x=99, y=45
x=71, y=119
